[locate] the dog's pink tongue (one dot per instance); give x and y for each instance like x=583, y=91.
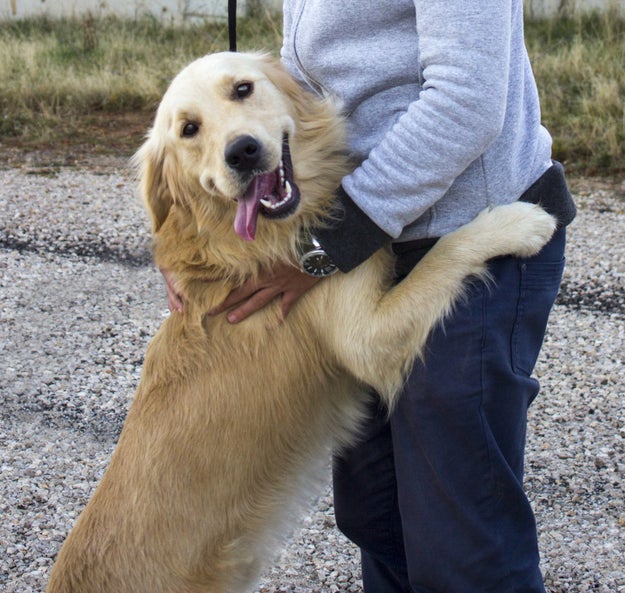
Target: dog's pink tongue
x=245, y=218
x=248, y=206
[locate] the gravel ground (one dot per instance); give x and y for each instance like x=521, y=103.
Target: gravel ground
x=80, y=300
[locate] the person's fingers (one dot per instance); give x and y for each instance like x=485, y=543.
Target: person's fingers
x=287, y=302
x=293, y=294
x=254, y=303
x=174, y=298
x=253, y=295
x=236, y=296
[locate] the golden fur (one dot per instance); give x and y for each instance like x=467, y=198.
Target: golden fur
x=228, y=419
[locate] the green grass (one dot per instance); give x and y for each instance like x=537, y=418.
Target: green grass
x=55, y=73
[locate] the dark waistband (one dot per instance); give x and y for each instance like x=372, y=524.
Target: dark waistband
x=416, y=245
x=552, y=193
x=549, y=190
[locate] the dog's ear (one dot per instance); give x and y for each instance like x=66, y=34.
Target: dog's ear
x=149, y=163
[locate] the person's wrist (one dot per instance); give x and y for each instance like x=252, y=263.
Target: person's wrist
x=350, y=236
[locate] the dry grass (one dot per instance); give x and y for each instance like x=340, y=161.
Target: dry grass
x=580, y=67
x=55, y=70
x=54, y=74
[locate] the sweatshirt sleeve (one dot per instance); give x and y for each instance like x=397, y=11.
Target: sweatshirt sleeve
x=464, y=49
x=464, y=55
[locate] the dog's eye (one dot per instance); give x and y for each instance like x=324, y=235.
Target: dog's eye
x=243, y=89
x=190, y=129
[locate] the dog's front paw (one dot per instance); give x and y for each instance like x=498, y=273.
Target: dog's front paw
x=522, y=228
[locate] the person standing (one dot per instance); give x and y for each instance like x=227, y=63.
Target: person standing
x=443, y=121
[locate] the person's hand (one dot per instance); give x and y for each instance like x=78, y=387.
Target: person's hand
x=174, y=297
x=252, y=296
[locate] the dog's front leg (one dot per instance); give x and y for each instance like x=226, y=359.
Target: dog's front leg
x=377, y=334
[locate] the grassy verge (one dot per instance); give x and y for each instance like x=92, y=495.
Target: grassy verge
x=55, y=72
x=580, y=67
x=55, y=75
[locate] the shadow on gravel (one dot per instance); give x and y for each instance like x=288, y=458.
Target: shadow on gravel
x=610, y=300
x=575, y=296
x=98, y=250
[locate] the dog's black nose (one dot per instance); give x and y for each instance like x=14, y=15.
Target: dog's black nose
x=243, y=153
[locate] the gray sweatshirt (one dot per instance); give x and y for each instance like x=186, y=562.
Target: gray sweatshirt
x=442, y=105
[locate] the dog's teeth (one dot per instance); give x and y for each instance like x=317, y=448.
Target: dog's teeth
x=270, y=204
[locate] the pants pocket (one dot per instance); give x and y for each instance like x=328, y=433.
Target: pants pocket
x=540, y=282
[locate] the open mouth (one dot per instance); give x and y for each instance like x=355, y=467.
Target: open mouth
x=273, y=194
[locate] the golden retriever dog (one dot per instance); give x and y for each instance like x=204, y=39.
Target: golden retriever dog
x=228, y=421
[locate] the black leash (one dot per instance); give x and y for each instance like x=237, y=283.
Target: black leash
x=232, y=24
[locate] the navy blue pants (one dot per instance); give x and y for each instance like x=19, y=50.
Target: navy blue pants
x=434, y=495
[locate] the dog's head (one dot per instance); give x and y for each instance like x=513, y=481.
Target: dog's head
x=233, y=139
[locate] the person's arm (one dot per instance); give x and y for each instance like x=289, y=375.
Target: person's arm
x=464, y=56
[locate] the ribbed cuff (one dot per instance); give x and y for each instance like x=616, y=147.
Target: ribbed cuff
x=352, y=237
